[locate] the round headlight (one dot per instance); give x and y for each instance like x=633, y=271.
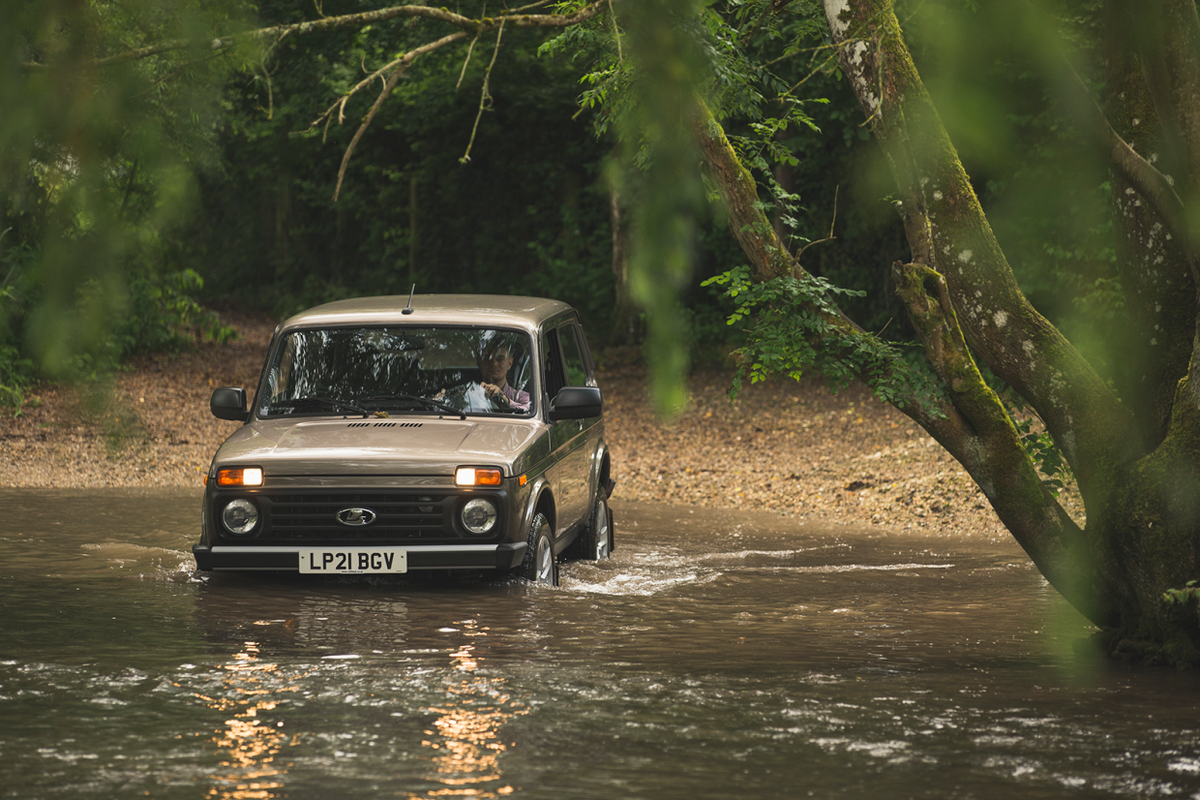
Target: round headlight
x=239, y=516
x=479, y=515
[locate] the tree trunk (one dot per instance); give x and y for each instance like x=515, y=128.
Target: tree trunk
x=1141, y=490
x=624, y=328
x=283, y=213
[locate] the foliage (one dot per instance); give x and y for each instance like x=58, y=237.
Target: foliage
x=1184, y=596
x=163, y=315
x=16, y=376
x=665, y=55
x=16, y=370
x=413, y=214
x=1045, y=454
x=795, y=325
x=95, y=173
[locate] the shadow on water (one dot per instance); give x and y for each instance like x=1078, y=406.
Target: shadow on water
x=716, y=655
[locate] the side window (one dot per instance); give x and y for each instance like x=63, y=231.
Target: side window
x=573, y=356
x=555, y=379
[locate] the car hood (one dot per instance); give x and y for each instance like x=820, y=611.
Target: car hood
x=408, y=446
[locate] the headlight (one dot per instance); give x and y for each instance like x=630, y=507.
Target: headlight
x=477, y=476
x=240, y=476
x=239, y=516
x=479, y=515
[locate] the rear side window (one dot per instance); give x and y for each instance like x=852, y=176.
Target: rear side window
x=573, y=356
x=555, y=379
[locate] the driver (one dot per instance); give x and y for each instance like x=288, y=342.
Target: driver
x=494, y=363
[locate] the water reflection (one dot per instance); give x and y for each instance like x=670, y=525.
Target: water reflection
x=252, y=742
x=465, y=736
x=435, y=699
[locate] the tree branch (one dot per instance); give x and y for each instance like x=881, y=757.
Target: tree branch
x=1167, y=32
x=1146, y=180
x=400, y=65
x=516, y=18
x=392, y=67
x=754, y=232
x=485, y=96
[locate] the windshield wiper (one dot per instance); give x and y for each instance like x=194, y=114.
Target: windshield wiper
x=418, y=399
x=326, y=402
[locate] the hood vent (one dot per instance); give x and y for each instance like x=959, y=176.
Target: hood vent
x=385, y=424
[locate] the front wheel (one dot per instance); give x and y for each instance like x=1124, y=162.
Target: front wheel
x=539, y=565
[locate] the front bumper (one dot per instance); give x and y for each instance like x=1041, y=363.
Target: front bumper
x=504, y=556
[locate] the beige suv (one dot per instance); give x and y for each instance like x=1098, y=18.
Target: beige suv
x=435, y=432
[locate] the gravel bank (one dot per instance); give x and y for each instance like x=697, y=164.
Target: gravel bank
x=790, y=448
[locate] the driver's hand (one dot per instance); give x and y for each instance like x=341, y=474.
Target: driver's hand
x=495, y=395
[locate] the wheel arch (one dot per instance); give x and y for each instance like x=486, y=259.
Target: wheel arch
x=542, y=501
x=605, y=473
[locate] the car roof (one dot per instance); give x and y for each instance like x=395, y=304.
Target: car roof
x=491, y=310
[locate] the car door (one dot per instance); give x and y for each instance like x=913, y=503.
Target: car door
x=566, y=365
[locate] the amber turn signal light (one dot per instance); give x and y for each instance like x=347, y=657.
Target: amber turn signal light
x=240, y=476
x=477, y=476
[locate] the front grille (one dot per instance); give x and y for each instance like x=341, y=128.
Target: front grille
x=399, y=516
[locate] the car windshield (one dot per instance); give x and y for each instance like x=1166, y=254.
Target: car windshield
x=389, y=370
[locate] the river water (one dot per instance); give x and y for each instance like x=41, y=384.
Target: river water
x=717, y=655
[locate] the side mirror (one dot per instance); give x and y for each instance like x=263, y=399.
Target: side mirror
x=229, y=403
x=576, y=402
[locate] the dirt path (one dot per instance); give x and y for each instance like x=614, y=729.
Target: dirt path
x=790, y=448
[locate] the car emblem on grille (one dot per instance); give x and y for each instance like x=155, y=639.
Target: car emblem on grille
x=356, y=516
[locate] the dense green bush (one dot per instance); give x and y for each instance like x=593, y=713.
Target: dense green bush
x=16, y=368
x=160, y=312
x=165, y=316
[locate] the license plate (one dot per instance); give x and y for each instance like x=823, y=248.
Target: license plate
x=349, y=561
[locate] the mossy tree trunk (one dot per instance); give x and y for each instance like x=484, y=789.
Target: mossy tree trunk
x=971, y=423
x=1136, y=457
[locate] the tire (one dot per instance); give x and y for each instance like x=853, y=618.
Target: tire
x=540, y=565
x=595, y=541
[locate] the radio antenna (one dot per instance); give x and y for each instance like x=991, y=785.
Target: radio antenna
x=409, y=309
